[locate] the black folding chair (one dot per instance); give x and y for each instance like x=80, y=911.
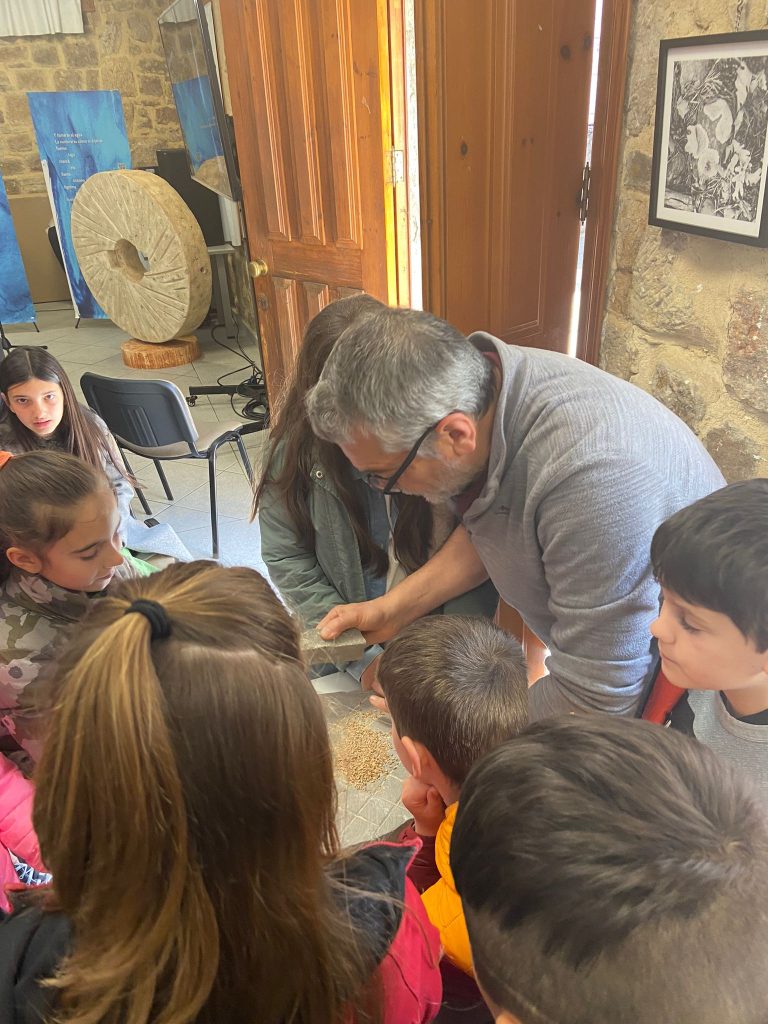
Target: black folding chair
x=150, y=418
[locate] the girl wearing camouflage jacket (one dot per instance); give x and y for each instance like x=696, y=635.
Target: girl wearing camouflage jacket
x=59, y=550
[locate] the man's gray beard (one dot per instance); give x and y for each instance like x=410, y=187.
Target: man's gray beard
x=456, y=481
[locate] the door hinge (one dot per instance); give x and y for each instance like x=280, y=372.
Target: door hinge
x=586, y=180
x=397, y=166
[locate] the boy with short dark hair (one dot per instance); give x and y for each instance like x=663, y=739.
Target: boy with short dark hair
x=613, y=872
x=711, y=560
x=456, y=687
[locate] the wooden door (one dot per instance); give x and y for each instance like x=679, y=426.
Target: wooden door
x=310, y=99
x=503, y=109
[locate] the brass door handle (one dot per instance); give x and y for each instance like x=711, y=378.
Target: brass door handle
x=258, y=268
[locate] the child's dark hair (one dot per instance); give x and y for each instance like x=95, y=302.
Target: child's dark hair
x=457, y=684
x=714, y=553
x=39, y=492
x=300, y=450
x=613, y=871
x=80, y=435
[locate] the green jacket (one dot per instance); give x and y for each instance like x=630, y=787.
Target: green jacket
x=314, y=580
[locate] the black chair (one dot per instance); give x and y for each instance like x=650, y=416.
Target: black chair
x=150, y=418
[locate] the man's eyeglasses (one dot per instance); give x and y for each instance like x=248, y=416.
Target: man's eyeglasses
x=387, y=484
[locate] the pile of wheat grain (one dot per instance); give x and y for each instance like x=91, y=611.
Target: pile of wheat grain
x=363, y=754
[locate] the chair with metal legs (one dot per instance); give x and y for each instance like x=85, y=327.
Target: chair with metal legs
x=151, y=418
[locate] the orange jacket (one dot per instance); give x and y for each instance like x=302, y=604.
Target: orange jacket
x=443, y=903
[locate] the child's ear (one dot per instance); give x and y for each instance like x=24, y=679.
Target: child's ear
x=422, y=762
x=24, y=559
x=415, y=755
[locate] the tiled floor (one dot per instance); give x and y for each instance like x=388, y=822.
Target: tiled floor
x=375, y=809
x=95, y=345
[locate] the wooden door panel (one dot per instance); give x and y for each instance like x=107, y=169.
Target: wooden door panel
x=307, y=97
x=504, y=92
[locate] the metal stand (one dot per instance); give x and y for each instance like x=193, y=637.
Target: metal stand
x=256, y=395
x=221, y=296
x=252, y=389
x=7, y=346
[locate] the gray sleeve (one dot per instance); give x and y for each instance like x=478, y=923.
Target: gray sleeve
x=293, y=567
x=115, y=471
x=596, y=528
x=123, y=490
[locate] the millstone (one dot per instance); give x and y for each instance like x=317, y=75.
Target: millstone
x=142, y=254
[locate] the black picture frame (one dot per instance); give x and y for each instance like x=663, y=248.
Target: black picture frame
x=710, y=149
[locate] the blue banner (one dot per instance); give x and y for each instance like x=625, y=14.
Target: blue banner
x=15, y=301
x=194, y=104
x=78, y=134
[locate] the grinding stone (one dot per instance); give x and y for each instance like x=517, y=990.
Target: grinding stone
x=118, y=217
x=347, y=647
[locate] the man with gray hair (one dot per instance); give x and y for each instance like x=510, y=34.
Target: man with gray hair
x=559, y=472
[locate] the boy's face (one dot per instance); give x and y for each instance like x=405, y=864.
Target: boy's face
x=703, y=650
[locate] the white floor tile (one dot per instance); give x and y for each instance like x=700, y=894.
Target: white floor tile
x=234, y=496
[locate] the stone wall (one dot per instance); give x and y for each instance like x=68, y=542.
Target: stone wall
x=687, y=316
x=120, y=49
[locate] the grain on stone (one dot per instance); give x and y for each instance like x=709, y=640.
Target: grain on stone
x=363, y=754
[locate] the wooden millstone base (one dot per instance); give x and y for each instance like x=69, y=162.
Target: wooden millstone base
x=145, y=355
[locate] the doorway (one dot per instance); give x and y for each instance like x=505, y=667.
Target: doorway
x=506, y=92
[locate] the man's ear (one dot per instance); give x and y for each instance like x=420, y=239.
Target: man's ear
x=24, y=559
x=415, y=752
x=459, y=432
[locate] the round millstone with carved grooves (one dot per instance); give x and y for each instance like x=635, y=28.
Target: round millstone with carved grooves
x=142, y=254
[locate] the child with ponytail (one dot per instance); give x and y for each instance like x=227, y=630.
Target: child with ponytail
x=186, y=807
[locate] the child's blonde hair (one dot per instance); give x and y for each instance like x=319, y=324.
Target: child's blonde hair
x=186, y=806
x=39, y=493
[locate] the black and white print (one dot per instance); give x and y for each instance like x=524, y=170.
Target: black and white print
x=710, y=159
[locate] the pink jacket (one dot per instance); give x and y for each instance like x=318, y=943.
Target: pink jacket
x=16, y=832
x=410, y=973
x=386, y=907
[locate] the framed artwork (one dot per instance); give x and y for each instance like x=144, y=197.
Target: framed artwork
x=710, y=153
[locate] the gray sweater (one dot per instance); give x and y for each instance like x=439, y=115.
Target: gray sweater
x=740, y=744
x=583, y=468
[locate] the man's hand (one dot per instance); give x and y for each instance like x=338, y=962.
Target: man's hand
x=453, y=570
x=425, y=804
x=377, y=620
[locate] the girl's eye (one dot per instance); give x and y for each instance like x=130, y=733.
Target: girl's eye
x=687, y=626
x=88, y=558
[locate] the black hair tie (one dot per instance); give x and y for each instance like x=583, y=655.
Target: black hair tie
x=156, y=616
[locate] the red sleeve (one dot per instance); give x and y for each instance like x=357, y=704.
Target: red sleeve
x=423, y=869
x=411, y=986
